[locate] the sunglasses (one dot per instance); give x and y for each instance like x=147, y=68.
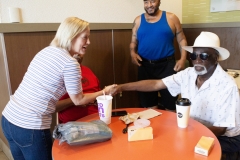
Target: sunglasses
x=203, y=56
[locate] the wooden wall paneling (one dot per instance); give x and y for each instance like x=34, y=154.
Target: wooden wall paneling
x=4, y=95
x=125, y=70
x=20, y=49
x=229, y=39
x=99, y=56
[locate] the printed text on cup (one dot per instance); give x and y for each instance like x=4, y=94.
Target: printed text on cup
x=101, y=110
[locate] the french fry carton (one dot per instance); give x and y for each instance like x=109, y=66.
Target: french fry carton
x=204, y=145
x=136, y=134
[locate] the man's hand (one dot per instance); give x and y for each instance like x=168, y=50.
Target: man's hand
x=116, y=89
x=218, y=131
x=180, y=65
x=136, y=59
x=109, y=89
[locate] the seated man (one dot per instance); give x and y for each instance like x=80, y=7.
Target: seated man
x=67, y=111
x=213, y=93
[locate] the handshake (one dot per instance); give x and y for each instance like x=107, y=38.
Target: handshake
x=112, y=89
x=142, y=86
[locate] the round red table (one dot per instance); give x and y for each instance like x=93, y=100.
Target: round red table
x=169, y=142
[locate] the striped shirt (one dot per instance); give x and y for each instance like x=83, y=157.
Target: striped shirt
x=52, y=73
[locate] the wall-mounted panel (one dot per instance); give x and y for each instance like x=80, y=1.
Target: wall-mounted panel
x=125, y=70
x=198, y=11
x=99, y=56
x=20, y=49
x=5, y=91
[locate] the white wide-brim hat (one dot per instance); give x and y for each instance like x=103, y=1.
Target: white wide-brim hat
x=211, y=40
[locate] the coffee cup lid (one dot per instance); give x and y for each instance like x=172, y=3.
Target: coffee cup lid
x=183, y=102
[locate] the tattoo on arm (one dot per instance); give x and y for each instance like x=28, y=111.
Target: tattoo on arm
x=178, y=32
x=133, y=42
x=180, y=40
x=132, y=49
x=184, y=43
x=134, y=37
x=134, y=24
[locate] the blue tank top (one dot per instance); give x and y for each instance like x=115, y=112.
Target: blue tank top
x=155, y=40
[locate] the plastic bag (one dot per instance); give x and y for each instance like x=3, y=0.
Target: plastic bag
x=81, y=133
x=129, y=118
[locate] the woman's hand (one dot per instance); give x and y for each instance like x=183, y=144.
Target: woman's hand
x=115, y=89
x=110, y=90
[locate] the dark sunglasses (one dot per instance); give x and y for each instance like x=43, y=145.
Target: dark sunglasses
x=203, y=56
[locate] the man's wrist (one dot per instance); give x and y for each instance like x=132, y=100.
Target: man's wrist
x=182, y=59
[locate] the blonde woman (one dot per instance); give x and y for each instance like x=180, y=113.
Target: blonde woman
x=53, y=71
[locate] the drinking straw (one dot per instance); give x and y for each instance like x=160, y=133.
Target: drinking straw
x=104, y=94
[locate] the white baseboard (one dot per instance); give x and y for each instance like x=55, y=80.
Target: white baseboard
x=6, y=150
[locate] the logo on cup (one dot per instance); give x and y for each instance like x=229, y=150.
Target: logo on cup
x=180, y=115
x=101, y=110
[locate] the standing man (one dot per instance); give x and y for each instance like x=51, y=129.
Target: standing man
x=152, y=49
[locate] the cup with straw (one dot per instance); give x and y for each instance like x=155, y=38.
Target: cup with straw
x=105, y=107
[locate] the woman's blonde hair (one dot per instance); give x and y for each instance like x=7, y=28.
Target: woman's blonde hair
x=67, y=31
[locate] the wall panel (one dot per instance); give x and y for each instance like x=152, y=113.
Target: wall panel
x=5, y=91
x=198, y=11
x=99, y=56
x=20, y=49
x=125, y=70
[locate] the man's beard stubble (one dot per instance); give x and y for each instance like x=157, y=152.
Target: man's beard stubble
x=154, y=13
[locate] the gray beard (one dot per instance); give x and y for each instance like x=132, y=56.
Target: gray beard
x=204, y=71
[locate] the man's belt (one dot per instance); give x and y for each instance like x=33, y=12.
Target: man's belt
x=158, y=61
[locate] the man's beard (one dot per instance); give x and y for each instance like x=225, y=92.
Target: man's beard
x=153, y=13
x=204, y=71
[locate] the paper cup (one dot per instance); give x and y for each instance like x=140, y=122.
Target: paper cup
x=105, y=108
x=14, y=14
x=183, y=109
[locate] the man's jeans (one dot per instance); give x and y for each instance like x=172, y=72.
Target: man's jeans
x=27, y=144
x=230, y=147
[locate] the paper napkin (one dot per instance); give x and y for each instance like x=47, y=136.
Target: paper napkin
x=149, y=113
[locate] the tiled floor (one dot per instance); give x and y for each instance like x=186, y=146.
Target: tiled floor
x=3, y=156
